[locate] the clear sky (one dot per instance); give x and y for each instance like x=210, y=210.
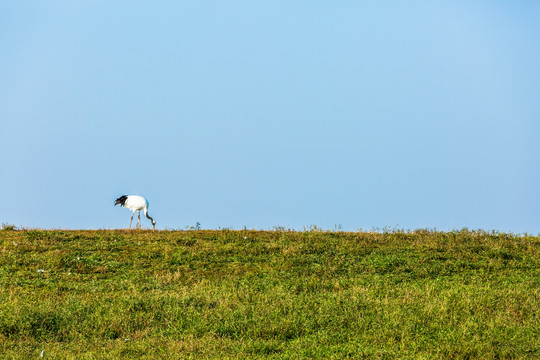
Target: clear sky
x=257, y=114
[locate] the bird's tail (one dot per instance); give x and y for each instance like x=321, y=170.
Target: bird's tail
x=121, y=200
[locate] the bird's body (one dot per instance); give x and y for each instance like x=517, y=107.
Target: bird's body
x=135, y=203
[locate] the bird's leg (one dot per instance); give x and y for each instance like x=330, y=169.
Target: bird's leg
x=139, y=220
x=131, y=219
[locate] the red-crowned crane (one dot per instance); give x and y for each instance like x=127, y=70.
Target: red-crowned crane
x=135, y=203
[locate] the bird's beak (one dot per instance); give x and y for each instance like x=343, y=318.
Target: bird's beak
x=154, y=226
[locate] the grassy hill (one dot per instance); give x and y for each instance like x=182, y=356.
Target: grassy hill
x=268, y=294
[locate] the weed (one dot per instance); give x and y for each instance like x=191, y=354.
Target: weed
x=8, y=227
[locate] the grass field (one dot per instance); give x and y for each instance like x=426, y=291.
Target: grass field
x=268, y=294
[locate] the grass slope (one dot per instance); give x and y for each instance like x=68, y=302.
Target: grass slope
x=268, y=294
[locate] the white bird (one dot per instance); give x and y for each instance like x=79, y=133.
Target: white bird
x=135, y=203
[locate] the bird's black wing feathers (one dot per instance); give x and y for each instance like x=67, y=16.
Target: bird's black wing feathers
x=121, y=200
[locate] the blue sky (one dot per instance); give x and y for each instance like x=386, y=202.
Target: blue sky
x=363, y=114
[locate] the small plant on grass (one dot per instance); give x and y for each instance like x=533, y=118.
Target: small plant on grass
x=8, y=227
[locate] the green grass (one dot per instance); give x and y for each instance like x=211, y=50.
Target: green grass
x=268, y=294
